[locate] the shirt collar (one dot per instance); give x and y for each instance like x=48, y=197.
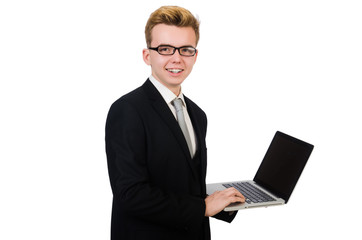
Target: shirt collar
x=166, y=93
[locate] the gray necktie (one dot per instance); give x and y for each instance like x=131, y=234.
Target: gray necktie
x=177, y=103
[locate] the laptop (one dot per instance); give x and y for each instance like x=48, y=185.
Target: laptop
x=276, y=177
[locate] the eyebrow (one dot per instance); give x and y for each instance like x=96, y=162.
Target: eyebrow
x=166, y=44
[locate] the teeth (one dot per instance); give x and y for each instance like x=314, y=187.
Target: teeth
x=174, y=70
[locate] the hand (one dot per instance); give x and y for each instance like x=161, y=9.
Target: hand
x=217, y=201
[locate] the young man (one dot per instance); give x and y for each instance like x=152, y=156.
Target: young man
x=157, y=154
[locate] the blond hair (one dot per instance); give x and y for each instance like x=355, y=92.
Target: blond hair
x=174, y=16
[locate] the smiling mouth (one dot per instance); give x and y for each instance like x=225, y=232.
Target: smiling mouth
x=174, y=70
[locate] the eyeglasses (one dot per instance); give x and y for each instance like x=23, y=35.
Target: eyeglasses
x=168, y=50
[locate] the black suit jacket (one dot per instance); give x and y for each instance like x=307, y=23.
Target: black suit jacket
x=158, y=190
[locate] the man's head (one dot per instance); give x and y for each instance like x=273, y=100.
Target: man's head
x=169, y=29
x=172, y=16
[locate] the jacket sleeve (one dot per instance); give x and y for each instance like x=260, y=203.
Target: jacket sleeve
x=126, y=148
x=226, y=216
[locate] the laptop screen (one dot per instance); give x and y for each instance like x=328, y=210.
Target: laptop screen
x=283, y=164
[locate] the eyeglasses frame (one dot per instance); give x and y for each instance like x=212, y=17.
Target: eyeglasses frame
x=174, y=50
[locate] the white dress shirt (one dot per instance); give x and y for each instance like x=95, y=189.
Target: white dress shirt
x=169, y=96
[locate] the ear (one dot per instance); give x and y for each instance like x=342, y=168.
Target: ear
x=197, y=52
x=146, y=56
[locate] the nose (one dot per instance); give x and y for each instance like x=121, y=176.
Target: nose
x=176, y=57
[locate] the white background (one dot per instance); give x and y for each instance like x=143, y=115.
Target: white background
x=263, y=66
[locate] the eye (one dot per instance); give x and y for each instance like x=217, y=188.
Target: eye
x=165, y=49
x=187, y=51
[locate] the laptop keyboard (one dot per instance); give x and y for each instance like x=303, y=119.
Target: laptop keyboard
x=251, y=193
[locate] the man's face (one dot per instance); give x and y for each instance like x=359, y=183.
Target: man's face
x=171, y=70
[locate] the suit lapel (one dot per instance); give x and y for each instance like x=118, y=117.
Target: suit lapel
x=195, y=123
x=161, y=107
x=200, y=139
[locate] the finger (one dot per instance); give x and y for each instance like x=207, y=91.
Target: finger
x=230, y=191
x=233, y=191
x=238, y=199
x=239, y=195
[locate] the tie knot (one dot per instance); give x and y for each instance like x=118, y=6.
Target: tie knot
x=177, y=103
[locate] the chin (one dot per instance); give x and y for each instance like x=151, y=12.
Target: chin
x=176, y=82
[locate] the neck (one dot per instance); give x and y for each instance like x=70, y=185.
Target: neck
x=176, y=90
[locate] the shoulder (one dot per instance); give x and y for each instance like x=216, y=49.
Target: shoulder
x=128, y=107
x=133, y=98
x=140, y=97
x=136, y=100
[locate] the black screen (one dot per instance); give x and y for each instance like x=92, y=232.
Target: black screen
x=283, y=164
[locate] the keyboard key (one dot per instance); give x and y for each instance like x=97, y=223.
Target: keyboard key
x=250, y=192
